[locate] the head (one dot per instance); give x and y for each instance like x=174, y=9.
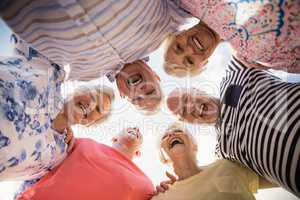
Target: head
x=129, y=142
x=140, y=85
x=89, y=105
x=187, y=53
x=194, y=106
x=176, y=144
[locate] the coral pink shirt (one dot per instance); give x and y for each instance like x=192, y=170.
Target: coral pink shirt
x=261, y=32
x=93, y=171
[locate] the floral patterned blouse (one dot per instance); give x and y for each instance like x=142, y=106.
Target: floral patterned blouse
x=30, y=99
x=261, y=32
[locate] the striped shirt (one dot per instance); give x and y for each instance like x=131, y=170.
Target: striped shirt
x=260, y=124
x=94, y=37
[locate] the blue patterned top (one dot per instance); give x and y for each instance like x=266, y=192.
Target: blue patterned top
x=30, y=99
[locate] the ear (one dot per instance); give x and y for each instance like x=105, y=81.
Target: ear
x=157, y=77
x=120, y=89
x=121, y=94
x=138, y=153
x=195, y=147
x=203, y=64
x=119, y=85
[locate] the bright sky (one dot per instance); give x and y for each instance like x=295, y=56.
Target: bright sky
x=125, y=115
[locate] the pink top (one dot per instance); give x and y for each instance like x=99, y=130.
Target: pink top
x=261, y=32
x=93, y=171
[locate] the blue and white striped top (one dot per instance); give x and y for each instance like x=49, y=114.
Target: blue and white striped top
x=95, y=37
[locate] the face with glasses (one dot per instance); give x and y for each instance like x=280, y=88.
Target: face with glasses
x=189, y=51
x=140, y=85
x=193, y=106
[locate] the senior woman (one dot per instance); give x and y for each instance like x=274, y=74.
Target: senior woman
x=35, y=120
x=94, y=171
x=264, y=34
x=257, y=119
x=221, y=179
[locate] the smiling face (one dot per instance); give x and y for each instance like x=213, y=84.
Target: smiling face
x=140, y=85
x=189, y=51
x=193, y=106
x=130, y=140
x=87, y=107
x=178, y=144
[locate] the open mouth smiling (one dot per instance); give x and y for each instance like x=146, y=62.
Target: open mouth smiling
x=84, y=109
x=175, y=141
x=197, y=43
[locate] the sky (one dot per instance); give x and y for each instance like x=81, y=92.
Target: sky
x=124, y=115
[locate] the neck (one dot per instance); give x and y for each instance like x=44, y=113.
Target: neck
x=185, y=168
x=60, y=123
x=124, y=150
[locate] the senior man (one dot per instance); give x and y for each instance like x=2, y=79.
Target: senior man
x=95, y=38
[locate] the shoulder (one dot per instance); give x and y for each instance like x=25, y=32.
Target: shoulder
x=177, y=11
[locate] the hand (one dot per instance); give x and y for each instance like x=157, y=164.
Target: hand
x=164, y=185
x=70, y=139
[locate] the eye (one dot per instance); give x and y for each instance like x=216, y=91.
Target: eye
x=98, y=109
x=151, y=92
x=131, y=132
x=137, y=99
x=165, y=136
x=188, y=62
x=179, y=48
x=134, y=80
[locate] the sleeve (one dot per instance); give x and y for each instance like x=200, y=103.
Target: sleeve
x=36, y=59
x=233, y=178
